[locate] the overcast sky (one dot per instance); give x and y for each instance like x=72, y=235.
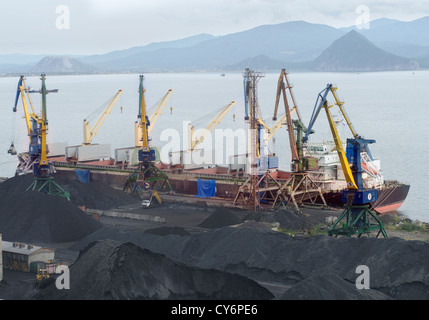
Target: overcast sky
x=99, y=26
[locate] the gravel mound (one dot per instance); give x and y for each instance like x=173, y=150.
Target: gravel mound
x=111, y=270
x=38, y=217
x=220, y=218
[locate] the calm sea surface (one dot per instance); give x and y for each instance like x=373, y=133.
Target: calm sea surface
x=390, y=107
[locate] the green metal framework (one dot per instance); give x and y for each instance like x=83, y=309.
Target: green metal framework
x=147, y=177
x=357, y=221
x=49, y=186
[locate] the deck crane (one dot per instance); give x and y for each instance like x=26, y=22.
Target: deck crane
x=42, y=168
x=152, y=120
x=260, y=184
x=356, y=197
x=249, y=191
x=252, y=112
x=89, y=133
x=147, y=174
x=159, y=108
x=299, y=187
x=295, y=142
x=282, y=84
x=194, y=141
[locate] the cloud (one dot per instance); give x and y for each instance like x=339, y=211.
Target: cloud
x=99, y=26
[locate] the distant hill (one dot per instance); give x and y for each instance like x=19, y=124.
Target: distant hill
x=122, y=54
x=261, y=63
x=62, y=65
x=353, y=52
x=286, y=42
x=424, y=61
x=405, y=38
x=297, y=45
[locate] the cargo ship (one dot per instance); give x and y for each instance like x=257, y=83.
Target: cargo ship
x=323, y=167
x=391, y=193
x=328, y=175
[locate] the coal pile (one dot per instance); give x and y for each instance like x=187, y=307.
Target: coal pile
x=38, y=217
x=252, y=224
x=111, y=270
x=398, y=268
x=287, y=220
x=163, y=231
x=220, y=218
x=329, y=287
x=95, y=195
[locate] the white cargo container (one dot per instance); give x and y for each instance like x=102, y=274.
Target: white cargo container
x=89, y=152
x=57, y=149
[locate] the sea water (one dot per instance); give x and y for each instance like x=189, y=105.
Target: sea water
x=389, y=107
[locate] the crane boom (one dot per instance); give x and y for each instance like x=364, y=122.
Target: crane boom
x=44, y=150
x=29, y=116
x=356, y=136
x=282, y=84
x=143, y=116
x=194, y=141
x=340, y=104
x=89, y=134
x=317, y=107
x=351, y=184
x=26, y=114
x=159, y=109
x=322, y=102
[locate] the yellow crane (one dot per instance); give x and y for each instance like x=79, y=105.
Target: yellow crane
x=42, y=168
x=322, y=102
x=89, y=133
x=194, y=141
x=152, y=120
x=340, y=104
x=158, y=111
x=29, y=116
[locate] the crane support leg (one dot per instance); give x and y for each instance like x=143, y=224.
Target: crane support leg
x=145, y=177
x=357, y=220
x=49, y=186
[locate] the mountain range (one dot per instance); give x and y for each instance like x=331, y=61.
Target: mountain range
x=388, y=44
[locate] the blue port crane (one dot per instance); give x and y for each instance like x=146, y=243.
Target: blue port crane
x=356, y=197
x=37, y=127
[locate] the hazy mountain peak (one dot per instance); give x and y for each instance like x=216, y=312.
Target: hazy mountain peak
x=354, y=52
x=61, y=64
